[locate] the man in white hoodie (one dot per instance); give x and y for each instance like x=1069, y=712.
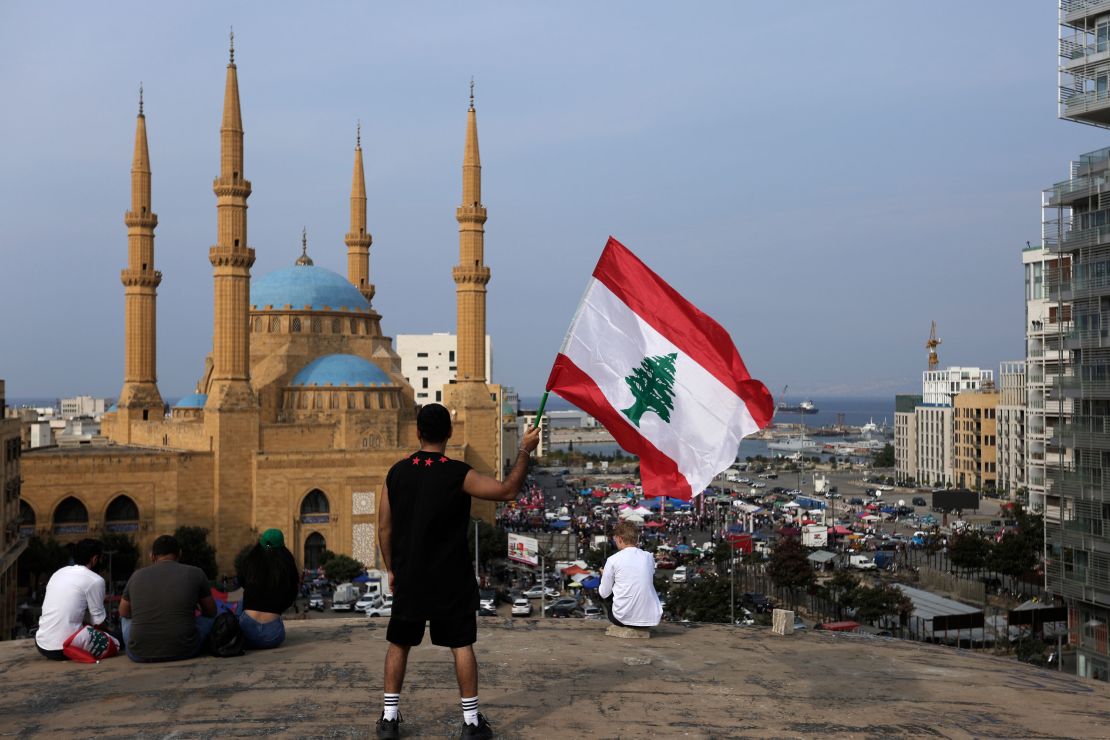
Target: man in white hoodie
x=628, y=577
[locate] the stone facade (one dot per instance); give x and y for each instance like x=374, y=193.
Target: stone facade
x=975, y=440
x=301, y=408
x=11, y=543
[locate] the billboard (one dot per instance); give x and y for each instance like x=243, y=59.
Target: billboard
x=524, y=549
x=956, y=500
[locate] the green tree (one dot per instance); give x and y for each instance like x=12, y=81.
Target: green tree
x=884, y=458
x=969, y=551
x=493, y=542
x=196, y=550
x=705, y=600
x=789, y=566
x=840, y=589
x=652, y=383
x=873, y=603
x=41, y=558
x=342, y=568
x=124, y=557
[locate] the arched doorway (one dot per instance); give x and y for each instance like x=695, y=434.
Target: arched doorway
x=122, y=515
x=71, y=517
x=315, y=508
x=314, y=546
x=26, y=519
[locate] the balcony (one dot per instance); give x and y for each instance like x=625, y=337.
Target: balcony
x=1077, y=13
x=1087, y=106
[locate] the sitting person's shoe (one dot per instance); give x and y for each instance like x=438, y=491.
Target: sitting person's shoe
x=482, y=729
x=388, y=729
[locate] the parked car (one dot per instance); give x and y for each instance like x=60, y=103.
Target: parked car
x=562, y=602
x=565, y=610
x=799, y=624
x=486, y=611
x=522, y=607
x=537, y=591
x=366, y=601
x=382, y=607
x=746, y=618
x=593, y=612
x=758, y=601
x=679, y=575
x=919, y=501
x=855, y=501
x=316, y=601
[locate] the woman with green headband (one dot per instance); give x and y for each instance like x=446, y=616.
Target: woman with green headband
x=270, y=581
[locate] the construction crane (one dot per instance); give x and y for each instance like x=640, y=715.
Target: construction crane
x=931, y=345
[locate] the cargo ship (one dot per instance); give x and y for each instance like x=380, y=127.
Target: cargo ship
x=805, y=407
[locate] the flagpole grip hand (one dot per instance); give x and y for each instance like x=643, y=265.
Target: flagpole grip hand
x=531, y=439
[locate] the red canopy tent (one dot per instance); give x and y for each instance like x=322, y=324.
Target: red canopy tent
x=653, y=525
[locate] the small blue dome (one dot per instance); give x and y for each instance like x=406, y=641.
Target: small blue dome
x=341, y=370
x=192, y=401
x=113, y=408
x=306, y=285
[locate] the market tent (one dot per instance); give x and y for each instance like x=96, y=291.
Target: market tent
x=559, y=524
x=598, y=494
x=683, y=548
x=654, y=525
x=591, y=582
x=361, y=578
x=574, y=570
x=870, y=518
x=634, y=518
x=840, y=530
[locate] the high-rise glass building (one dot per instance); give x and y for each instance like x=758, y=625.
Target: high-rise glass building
x=1074, y=330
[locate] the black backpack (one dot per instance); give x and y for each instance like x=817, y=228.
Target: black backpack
x=226, y=639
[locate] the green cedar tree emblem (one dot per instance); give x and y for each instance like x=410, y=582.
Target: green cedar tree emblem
x=652, y=383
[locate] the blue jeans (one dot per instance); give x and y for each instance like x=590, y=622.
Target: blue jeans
x=261, y=635
x=204, y=628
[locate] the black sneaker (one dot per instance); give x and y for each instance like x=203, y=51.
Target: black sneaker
x=388, y=729
x=482, y=729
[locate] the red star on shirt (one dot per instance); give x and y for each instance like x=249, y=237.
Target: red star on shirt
x=416, y=461
x=443, y=459
x=428, y=462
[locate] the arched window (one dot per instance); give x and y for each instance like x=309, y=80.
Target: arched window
x=354, y=326
x=295, y=325
x=316, y=502
x=275, y=324
x=122, y=515
x=314, y=546
x=315, y=325
x=71, y=517
x=336, y=326
x=26, y=519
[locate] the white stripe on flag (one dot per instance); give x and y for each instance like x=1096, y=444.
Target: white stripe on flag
x=608, y=341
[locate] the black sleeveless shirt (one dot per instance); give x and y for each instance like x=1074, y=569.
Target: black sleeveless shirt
x=433, y=574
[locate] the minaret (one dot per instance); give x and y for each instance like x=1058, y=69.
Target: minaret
x=471, y=274
x=139, y=398
x=231, y=260
x=358, y=239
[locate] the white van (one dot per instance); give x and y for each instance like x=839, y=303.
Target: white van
x=679, y=575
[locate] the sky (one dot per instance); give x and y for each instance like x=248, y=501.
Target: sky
x=824, y=179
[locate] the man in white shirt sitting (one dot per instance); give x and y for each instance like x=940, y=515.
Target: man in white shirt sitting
x=628, y=577
x=69, y=593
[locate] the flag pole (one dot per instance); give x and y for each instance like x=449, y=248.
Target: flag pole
x=543, y=403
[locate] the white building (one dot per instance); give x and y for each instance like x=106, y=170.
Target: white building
x=83, y=406
x=905, y=438
x=1011, y=428
x=428, y=363
x=934, y=419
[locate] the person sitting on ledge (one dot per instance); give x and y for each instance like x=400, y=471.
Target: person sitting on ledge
x=270, y=581
x=69, y=593
x=627, y=582
x=158, y=607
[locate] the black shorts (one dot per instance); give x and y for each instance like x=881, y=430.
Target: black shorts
x=450, y=632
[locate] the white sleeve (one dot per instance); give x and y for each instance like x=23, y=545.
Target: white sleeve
x=95, y=597
x=605, y=590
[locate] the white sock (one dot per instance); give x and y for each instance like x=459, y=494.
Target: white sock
x=470, y=710
x=390, y=704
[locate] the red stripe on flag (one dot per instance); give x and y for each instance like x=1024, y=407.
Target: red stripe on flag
x=683, y=324
x=658, y=472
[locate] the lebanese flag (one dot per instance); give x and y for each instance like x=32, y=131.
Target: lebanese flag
x=661, y=376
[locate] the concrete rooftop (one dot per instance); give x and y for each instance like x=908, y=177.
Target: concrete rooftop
x=559, y=678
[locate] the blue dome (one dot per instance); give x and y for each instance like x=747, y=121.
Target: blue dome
x=341, y=370
x=192, y=401
x=306, y=285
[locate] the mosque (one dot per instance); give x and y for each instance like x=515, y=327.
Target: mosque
x=301, y=409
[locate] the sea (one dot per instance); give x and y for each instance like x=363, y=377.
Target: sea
x=856, y=411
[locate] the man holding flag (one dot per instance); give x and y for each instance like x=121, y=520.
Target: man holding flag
x=661, y=376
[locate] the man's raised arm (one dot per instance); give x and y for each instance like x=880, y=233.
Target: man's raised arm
x=491, y=489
